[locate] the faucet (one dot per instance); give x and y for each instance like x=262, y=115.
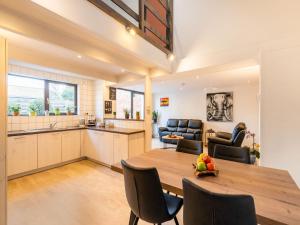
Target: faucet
x=52, y=125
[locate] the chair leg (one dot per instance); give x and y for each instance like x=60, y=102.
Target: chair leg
x=176, y=221
x=133, y=220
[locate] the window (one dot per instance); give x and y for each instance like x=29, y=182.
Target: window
x=130, y=101
x=31, y=94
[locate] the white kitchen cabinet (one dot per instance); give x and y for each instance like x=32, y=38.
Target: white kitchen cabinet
x=70, y=143
x=120, y=147
x=22, y=154
x=49, y=149
x=106, y=148
x=90, y=143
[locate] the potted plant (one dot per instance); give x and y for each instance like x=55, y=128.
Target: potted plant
x=115, y=114
x=137, y=115
x=154, y=116
x=33, y=109
x=254, y=149
x=69, y=110
x=15, y=109
x=126, y=112
x=57, y=111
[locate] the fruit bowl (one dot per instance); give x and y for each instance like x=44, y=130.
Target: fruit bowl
x=205, y=166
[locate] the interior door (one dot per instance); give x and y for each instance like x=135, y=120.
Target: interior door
x=3, y=134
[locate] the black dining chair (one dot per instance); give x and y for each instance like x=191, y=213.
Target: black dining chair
x=202, y=207
x=190, y=146
x=236, y=154
x=146, y=198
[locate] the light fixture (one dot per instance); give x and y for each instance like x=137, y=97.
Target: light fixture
x=123, y=70
x=131, y=30
x=171, y=57
x=79, y=56
x=197, y=77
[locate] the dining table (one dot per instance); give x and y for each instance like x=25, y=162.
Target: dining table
x=275, y=193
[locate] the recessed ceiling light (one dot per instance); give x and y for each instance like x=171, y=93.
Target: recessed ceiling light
x=123, y=70
x=130, y=30
x=197, y=77
x=171, y=57
x=79, y=56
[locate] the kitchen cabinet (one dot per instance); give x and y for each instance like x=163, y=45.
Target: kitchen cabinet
x=49, y=149
x=22, y=154
x=70, y=143
x=120, y=147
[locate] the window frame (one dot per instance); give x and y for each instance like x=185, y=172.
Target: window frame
x=132, y=92
x=46, y=92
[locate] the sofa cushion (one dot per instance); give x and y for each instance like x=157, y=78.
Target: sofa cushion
x=195, y=124
x=193, y=131
x=165, y=133
x=172, y=123
x=177, y=133
x=183, y=123
x=188, y=136
x=172, y=129
x=181, y=129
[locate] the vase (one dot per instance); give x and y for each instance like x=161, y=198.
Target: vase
x=252, y=158
x=16, y=113
x=33, y=113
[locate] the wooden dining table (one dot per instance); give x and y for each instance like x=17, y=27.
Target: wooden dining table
x=276, y=195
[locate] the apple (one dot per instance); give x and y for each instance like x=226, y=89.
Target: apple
x=206, y=159
x=201, y=166
x=210, y=166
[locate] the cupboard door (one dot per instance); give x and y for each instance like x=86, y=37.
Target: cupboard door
x=90, y=141
x=21, y=154
x=49, y=149
x=70, y=145
x=120, y=147
x=107, y=148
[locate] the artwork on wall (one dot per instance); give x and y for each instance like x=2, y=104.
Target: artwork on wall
x=220, y=106
x=112, y=93
x=108, y=107
x=164, y=102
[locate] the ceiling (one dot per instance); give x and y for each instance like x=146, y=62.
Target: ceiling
x=198, y=81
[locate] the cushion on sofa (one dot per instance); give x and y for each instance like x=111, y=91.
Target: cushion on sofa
x=193, y=131
x=172, y=123
x=181, y=129
x=164, y=133
x=183, y=123
x=188, y=136
x=177, y=133
x=195, y=124
x=172, y=129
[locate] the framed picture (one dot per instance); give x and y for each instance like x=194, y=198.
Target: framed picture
x=219, y=106
x=112, y=93
x=108, y=107
x=164, y=102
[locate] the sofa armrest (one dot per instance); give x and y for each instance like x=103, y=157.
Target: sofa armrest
x=161, y=129
x=224, y=135
x=218, y=140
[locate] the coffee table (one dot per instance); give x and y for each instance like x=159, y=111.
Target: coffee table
x=167, y=137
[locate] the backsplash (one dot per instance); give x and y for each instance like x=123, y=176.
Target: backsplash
x=86, y=100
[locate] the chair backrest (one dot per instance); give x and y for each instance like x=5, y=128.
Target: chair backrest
x=144, y=193
x=236, y=154
x=238, y=134
x=190, y=146
x=207, y=208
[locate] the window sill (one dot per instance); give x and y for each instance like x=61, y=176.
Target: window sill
x=122, y=119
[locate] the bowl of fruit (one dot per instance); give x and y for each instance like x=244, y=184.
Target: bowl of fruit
x=205, y=166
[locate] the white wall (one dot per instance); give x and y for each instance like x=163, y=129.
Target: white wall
x=191, y=104
x=280, y=109
x=210, y=32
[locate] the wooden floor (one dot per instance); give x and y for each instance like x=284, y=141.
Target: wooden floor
x=82, y=193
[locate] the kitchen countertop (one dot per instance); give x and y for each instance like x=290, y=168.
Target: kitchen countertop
x=48, y=130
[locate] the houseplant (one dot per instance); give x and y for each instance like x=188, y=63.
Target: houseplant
x=33, y=109
x=69, y=110
x=126, y=112
x=15, y=109
x=137, y=115
x=115, y=114
x=154, y=116
x=57, y=111
x=254, y=148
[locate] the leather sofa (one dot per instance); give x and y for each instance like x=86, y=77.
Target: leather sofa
x=187, y=128
x=222, y=138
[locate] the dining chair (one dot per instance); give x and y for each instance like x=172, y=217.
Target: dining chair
x=202, y=207
x=146, y=198
x=190, y=146
x=236, y=154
